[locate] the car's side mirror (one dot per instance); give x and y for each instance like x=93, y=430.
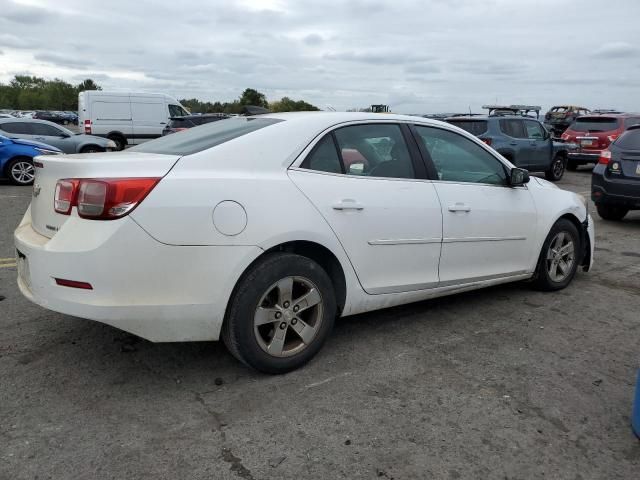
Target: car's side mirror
x=64, y=135
x=518, y=177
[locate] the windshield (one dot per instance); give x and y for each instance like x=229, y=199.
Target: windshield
x=205, y=136
x=594, y=124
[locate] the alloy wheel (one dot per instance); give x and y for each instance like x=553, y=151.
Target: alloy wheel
x=23, y=172
x=558, y=168
x=560, y=257
x=288, y=316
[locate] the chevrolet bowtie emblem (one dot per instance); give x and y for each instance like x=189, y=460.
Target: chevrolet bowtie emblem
x=36, y=189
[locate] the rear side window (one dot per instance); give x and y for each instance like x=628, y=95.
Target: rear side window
x=20, y=128
x=198, y=139
x=594, y=124
x=629, y=140
x=324, y=157
x=181, y=123
x=474, y=127
x=513, y=127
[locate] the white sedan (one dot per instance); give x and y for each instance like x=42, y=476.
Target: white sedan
x=264, y=229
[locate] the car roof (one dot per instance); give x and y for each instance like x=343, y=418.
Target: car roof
x=604, y=114
x=27, y=120
x=487, y=117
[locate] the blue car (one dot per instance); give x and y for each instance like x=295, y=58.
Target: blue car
x=16, y=158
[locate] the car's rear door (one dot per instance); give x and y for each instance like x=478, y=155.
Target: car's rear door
x=488, y=227
x=369, y=184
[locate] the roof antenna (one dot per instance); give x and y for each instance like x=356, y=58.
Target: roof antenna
x=469, y=110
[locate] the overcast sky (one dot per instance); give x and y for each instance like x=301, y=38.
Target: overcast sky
x=417, y=56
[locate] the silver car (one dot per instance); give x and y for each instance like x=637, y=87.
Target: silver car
x=55, y=135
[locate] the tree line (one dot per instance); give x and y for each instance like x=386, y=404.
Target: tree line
x=26, y=92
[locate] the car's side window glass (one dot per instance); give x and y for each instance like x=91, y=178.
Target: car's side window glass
x=375, y=150
x=458, y=159
x=43, y=129
x=324, y=157
x=176, y=111
x=513, y=127
x=534, y=130
x=20, y=128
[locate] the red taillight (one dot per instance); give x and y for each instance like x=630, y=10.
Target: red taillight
x=612, y=138
x=101, y=198
x=65, y=195
x=87, y=127
x=564, y=137
x=73, y=284
x=486, y=141
x=605, y=156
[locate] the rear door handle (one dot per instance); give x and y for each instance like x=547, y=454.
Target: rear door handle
x=347, y=204
x=459, y=207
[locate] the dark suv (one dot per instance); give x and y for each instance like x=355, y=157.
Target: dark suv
x=615, y=183
x=594, y=133
x=522, y=140
x=558, y=118
x=177, y=124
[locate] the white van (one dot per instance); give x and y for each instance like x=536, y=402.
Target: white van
x=127, y=118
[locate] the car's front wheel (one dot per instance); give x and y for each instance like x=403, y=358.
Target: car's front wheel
x=21, y=171
x=281, y=313
x=559, y=257
x=610, y=212
x=556, y=169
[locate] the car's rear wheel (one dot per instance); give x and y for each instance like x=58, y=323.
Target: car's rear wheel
x=21, y=171
x=611, y=212
x=556, y=170
x=559, y=257
x=280, y=314
x=91, y=149
x=119, y=140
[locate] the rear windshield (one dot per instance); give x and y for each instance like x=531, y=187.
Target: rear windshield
x=475, y=127
x=594, y=124
x=205, y=136
x=629, y=140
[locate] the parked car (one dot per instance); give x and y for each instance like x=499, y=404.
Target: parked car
x=52, y=134
x=594, y=133
x=559, y=117
x=6, y=115
x=16, y=159
x=67, y=118
x=615, y=182
x=126, y=118
x=177, y=124
x=522, y=140
x=253, y=229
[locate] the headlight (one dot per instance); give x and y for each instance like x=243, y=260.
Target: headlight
x=44, y=151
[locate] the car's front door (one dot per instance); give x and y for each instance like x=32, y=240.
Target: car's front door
x=541, y=145
x=51, y=135
x=517, y=142
x=488, y=227
x=369, y=185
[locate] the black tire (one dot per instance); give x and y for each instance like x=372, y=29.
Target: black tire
x=119, y=140
x=13, y=171
x=611, y=212
x=572, y=166
x=556, y=170
x=542, y=279
x=238, y=331
x=91, y=149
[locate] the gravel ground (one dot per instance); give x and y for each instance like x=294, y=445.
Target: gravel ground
x=498, y=383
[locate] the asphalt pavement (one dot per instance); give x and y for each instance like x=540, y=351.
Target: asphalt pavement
x=504, y=383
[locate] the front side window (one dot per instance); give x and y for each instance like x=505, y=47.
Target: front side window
x=458, y=159
x=177, y=111
x=45, y=130
x=513, y=128
x=534, y=130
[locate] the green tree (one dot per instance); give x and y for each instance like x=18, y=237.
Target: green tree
x=253, y=97
x=285, y=104
x=88, y=84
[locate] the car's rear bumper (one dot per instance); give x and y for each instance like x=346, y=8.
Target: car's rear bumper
x=613, y=191
x=584, y=157
x=159, y=292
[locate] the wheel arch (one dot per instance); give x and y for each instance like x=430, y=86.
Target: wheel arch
x=585, y=241
x=312, y=250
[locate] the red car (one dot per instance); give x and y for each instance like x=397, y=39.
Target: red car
x=594, y=133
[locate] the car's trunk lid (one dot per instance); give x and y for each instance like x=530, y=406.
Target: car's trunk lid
x=51, y=168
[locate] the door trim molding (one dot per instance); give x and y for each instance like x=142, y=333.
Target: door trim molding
x=404, y=241
x=481, y=239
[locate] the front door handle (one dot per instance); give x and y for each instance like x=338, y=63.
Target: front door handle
x=459, y=207
x=347, y=204
x=513, y=143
